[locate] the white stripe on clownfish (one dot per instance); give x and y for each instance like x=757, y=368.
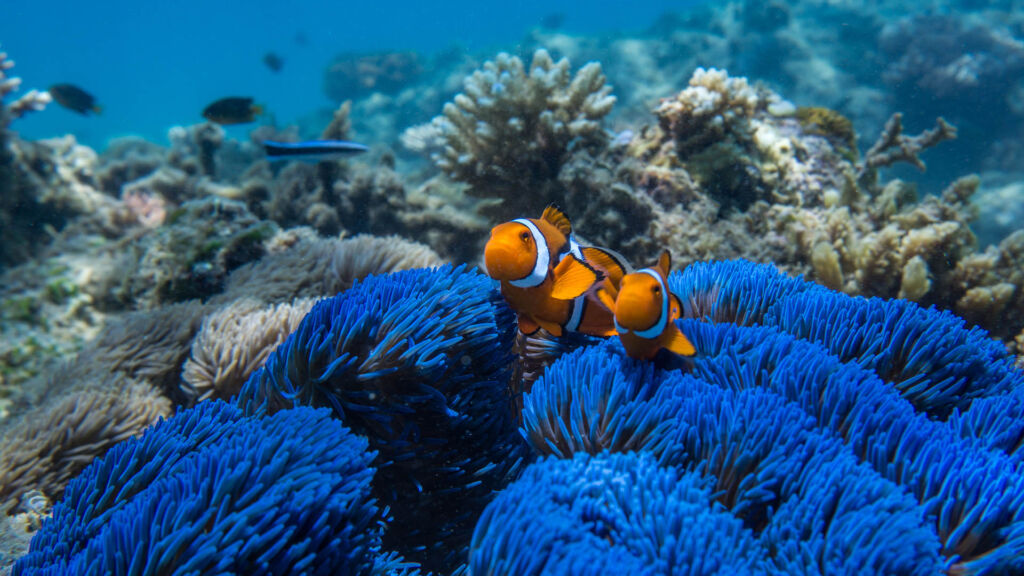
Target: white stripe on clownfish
x=576, y=313
x=659, y=326
x=543, y=261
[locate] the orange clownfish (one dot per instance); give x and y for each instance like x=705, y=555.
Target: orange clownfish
x=548, y=279
x=645, y=312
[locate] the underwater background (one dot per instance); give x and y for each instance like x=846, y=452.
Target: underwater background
x=219, y=355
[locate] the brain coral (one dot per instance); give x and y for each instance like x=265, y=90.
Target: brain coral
x=419, y=363
x=211, y=491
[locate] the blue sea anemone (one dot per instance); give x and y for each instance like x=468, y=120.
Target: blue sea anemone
x=610, y=514
x=931, y=356
x=419, y=363
x=795, y=428
x=802, y=492
x=211, y=491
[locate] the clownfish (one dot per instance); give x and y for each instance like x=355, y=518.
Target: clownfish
x=645, y=312
x=549, y=279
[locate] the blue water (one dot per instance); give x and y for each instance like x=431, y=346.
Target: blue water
x=153, y=65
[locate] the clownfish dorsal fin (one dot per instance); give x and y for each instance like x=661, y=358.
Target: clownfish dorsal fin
x=607, y=298
x=554, y=328
x=676, y=342
x=554, y=216
x=573, y=278
x=665, y=263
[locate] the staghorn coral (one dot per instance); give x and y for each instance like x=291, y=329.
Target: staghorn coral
x=235, y=341
x=835, y=396
x=892, y=146
x=418, y=362
x=314, y=267
x=54, y=441
x=213, y=490
x=514, y=128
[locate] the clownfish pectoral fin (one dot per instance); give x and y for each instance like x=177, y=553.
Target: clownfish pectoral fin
x=554, y=215
x=526, y=325
x=677, y=308
x=573, y=278
x=676, y=342
x=606, y=298
x=554, y=328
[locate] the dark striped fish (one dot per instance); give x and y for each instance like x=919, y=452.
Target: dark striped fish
x=312, y=151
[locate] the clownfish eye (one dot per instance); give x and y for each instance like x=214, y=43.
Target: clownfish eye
x=656, y=290
x=524, y=236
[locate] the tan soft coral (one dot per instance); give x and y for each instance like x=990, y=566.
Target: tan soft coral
x=508, y=135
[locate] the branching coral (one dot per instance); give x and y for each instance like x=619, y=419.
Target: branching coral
x=418, y=362
x=713, y=108
x=893, y=146
x=211, y=490
x=50, y=444
x=509, y=135
x=234, y=341
x=31, y=101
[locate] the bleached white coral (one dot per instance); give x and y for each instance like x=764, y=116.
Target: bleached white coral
x=509, y=134
x=31, y=101
x=714, y=106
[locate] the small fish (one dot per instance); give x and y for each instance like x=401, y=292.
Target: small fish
x=273, y=61
x=546, y=277
x=232, y=110
x=645, y=312
x=312, y=151
x=74, y=98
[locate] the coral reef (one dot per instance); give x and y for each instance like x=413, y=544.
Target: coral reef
x=352, y=75
x=513, y=129
x=812, y=432
x=212, y=490
x=418, y=362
